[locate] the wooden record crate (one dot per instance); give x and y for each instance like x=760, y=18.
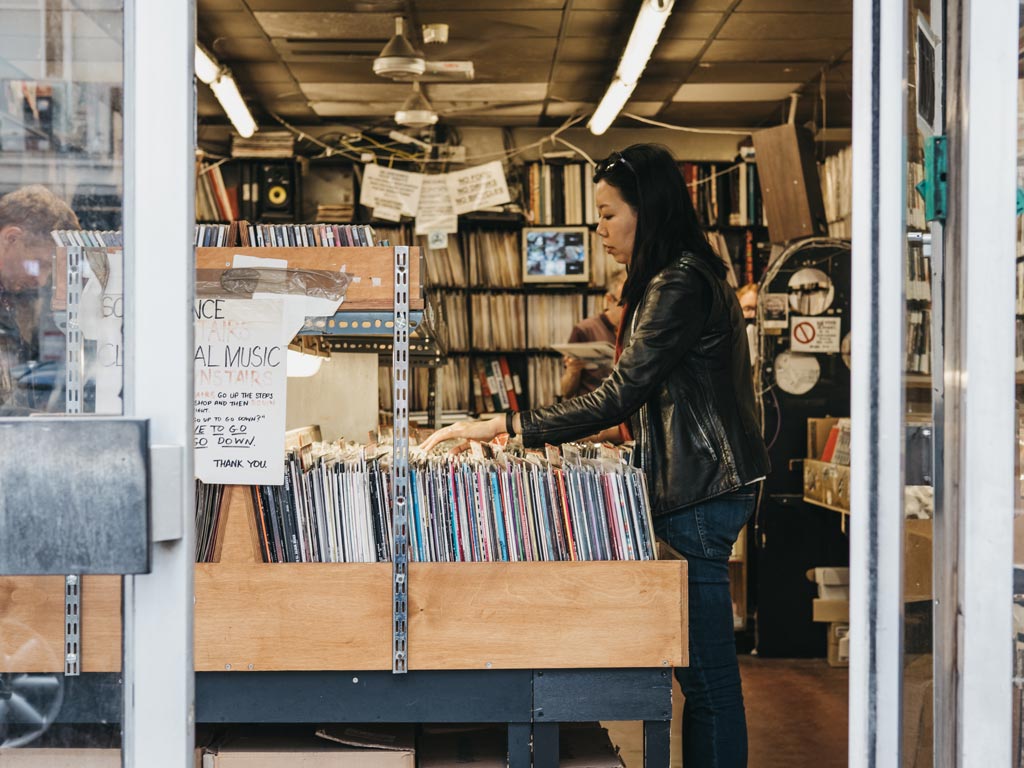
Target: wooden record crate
x=255, y=616
x=373, y=287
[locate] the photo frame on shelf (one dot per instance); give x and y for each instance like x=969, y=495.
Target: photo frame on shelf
x=556, y=255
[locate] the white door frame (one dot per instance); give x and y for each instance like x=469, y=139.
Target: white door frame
x=159, y=222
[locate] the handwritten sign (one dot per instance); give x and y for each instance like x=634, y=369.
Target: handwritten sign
x=387, y=191
x=479, y=187
x=102, y=321
x=436, y=213
x=240, y=385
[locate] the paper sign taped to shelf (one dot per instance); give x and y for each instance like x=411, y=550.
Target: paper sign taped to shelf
x=436, y=213
x=390, y=190
x=479, y=187
x=101, y=318
x=296, y=308
x=814, y=334
x=240, y=389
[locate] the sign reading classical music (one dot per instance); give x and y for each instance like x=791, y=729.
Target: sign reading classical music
x=240, y=386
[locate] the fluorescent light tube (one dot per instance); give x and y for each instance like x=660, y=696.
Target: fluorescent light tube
x=646, y=30
x=614, y=100
x=207, y=68
x=226, y=91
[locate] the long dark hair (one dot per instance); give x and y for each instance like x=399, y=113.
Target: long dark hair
x=648, y=178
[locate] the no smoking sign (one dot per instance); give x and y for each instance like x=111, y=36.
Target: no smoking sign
x=814, y=334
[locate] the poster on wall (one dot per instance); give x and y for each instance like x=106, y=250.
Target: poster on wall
x=436, y=213
x=240, y=388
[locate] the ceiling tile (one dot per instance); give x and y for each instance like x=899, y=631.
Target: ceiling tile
x=787, y=26
x=720, y=115
x=356, y=91
x=567, y=71
x=643, y=108
x=585, y=91
x=496, y=24
x=582, y=49
x=452, y=109
x=435, y=6
x=355, y=108
x=228, y=49
x=650, y=89
x=712, y=92
x=774, y=50
x=807, y=6
x=609, y=24
x=234, y=24
x=567, y=108
x=753, y=71
x=665, y=70
x=691, y=25
x=496, y=120
x=334, y=71
x=259, y=72
x=677, y=49
x=335, y=6
x=205, y=6
x=335, y=26
x=487, y=92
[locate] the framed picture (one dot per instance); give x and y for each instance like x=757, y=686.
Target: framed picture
x=556, y=255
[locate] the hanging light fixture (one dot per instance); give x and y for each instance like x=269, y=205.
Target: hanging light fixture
x=646, y=31
x=223, y=85
x=416, y=112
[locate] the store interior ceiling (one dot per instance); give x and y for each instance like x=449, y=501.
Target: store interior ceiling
x=719, y=63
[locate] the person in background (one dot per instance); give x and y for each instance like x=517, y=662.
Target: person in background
x=27, y=216
x=747, y=296
x=683, y=381
x=578, y=379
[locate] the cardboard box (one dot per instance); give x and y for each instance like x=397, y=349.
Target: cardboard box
x=831, y=610
x=839, y=644
x=29, y=757
x=458, y=748
x=833, y=583
x=337, y=747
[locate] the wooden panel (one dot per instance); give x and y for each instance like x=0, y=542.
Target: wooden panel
x=789, y=183
x=281, y=616
x=32, y=624
x=546, y=615
x=374, y=268
x=237, y=542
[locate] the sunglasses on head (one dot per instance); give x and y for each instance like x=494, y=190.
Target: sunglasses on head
x=610, y=162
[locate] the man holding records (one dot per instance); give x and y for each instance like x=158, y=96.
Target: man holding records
x=581, y=376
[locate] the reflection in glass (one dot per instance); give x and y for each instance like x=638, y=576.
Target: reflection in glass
x=61, y=148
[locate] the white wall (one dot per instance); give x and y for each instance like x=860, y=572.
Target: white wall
x=341, y=398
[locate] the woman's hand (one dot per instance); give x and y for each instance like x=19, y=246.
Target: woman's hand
x=483, y=430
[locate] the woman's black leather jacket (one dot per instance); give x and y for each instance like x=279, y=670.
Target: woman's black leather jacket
x=684, y=383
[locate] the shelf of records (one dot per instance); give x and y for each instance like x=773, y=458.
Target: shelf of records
x=461, y=389
x=494, y=504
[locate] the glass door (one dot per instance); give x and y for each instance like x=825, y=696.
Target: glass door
x=96, y=153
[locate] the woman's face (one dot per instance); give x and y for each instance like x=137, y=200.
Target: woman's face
x=616, y=222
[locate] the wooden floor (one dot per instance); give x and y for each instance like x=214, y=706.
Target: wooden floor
x=796, y=716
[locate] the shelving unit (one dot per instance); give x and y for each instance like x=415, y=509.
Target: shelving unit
x=526, y=644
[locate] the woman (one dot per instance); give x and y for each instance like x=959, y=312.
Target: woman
x=683, y=385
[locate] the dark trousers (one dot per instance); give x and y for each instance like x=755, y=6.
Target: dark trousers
x=714, y=720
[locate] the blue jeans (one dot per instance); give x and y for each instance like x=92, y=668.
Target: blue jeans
x=714, y=720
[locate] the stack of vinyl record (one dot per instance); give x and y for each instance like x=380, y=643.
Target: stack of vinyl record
x=335, y=506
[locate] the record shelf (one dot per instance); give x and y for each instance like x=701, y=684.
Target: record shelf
x=526, y=644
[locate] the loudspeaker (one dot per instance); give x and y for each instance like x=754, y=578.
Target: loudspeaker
x=277, y=190
x=789, y=183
